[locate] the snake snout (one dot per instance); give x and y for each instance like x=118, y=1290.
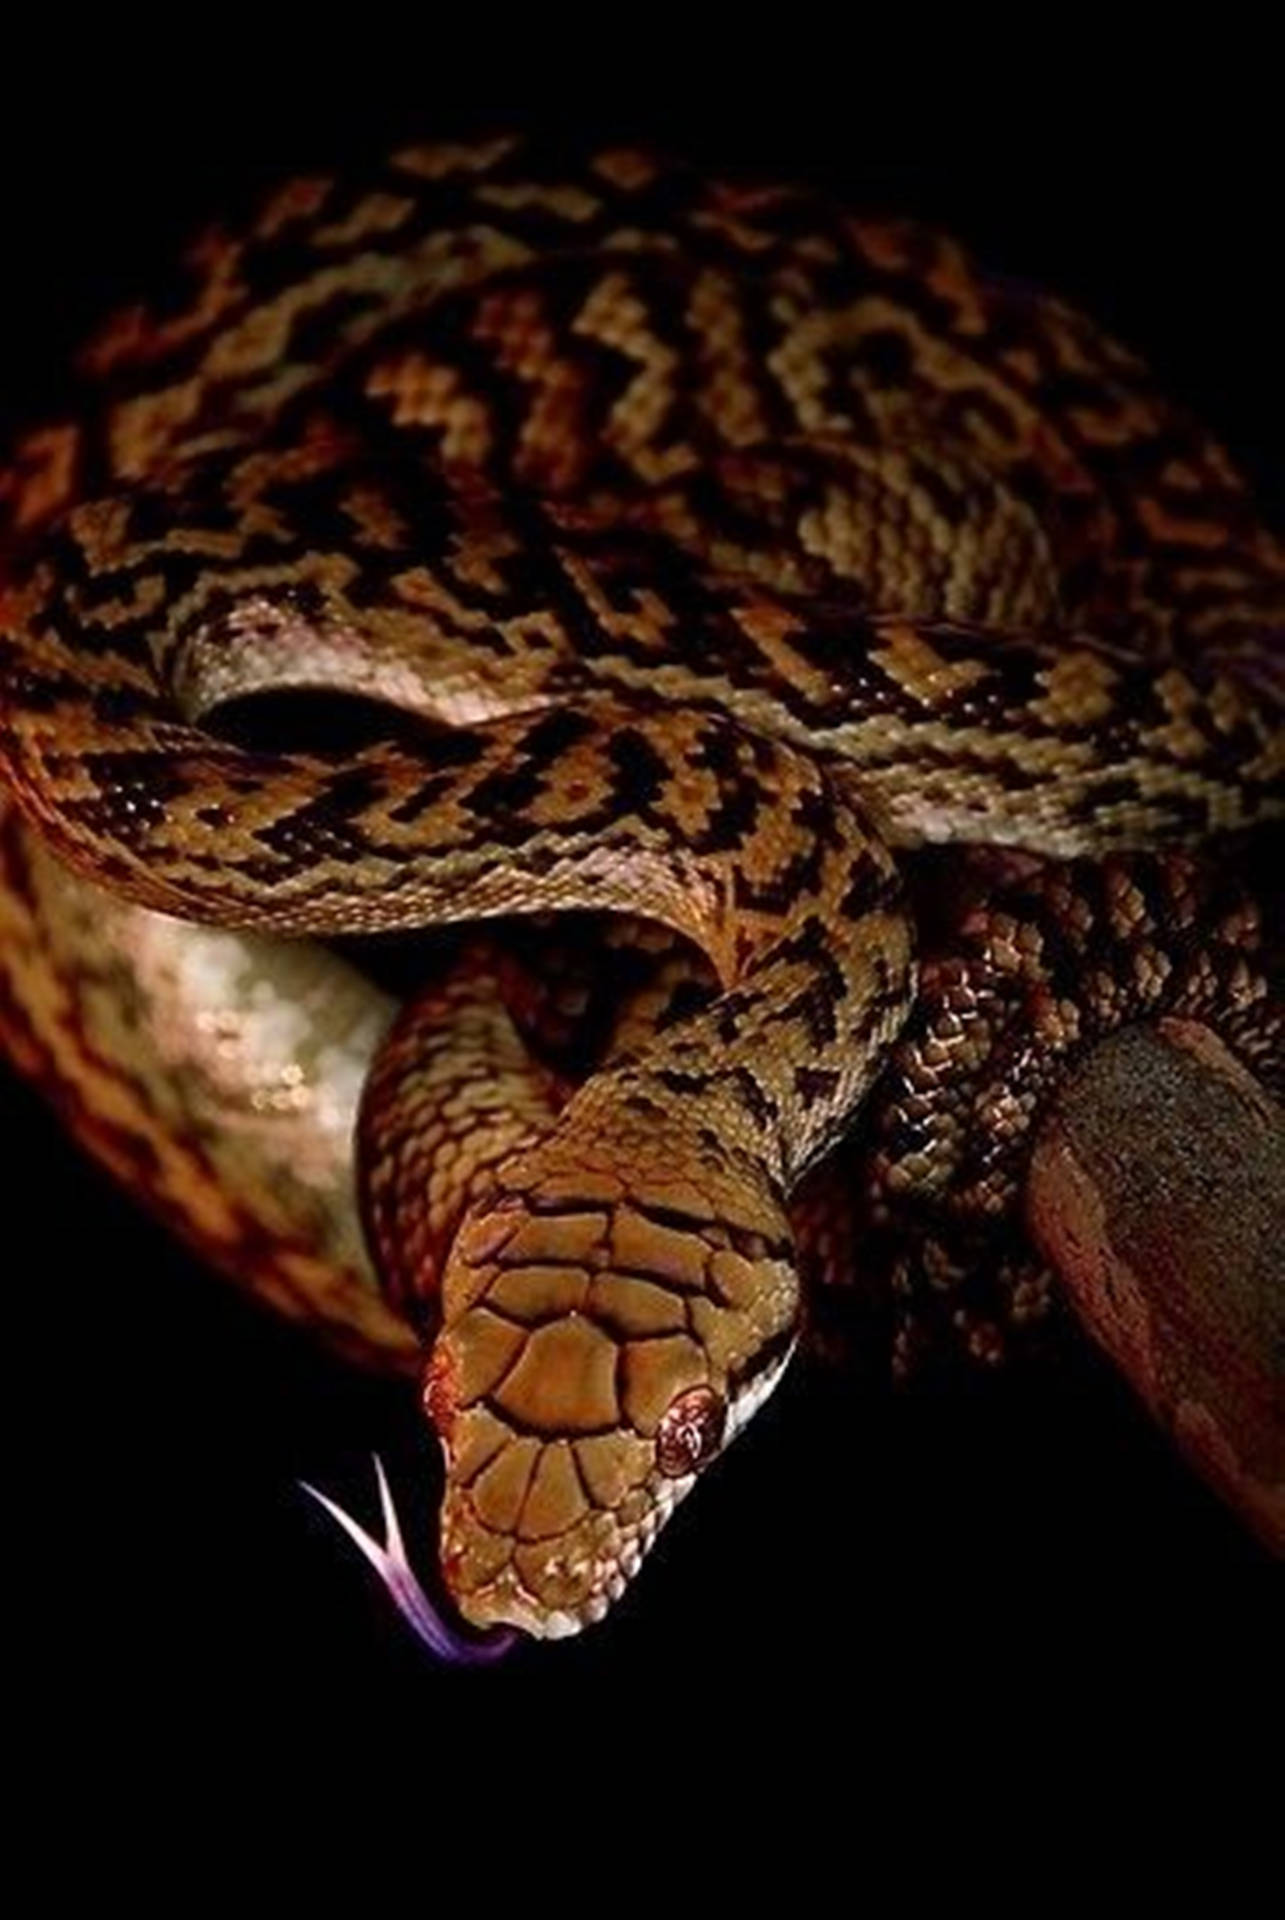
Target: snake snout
x=567, y=1578
x=551, y=1501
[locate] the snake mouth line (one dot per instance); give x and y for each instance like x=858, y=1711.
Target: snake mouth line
x=425, y=1619
x=524, y=1617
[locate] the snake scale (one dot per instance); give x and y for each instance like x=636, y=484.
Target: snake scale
x=686, y=549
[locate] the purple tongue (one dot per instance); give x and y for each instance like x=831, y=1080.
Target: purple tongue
x=417, y=1610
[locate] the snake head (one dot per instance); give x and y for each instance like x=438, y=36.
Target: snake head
x=603, y=1341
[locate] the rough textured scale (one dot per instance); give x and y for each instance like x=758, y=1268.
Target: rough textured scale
x=708, y=553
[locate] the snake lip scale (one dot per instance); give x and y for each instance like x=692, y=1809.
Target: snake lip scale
x=709, y=554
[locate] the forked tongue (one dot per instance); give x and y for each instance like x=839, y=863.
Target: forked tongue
x=388, y=1558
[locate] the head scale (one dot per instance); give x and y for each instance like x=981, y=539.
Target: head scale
x=596, y=1355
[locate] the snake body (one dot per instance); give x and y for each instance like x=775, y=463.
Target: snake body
x=708, y=551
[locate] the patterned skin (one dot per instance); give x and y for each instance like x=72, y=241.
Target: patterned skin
x=719, y=551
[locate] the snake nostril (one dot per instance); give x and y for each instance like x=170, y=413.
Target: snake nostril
x=441, y=1392
x=691, y=1431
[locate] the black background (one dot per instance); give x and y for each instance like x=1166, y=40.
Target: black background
x=169, y=1572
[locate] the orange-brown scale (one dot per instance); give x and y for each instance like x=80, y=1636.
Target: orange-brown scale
x=695, y=683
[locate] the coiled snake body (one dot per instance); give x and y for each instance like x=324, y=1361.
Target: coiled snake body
x=717, y=550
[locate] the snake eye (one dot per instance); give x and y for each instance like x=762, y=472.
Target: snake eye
x=690, y=1432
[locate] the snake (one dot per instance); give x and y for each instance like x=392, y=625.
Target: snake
x=687, y=550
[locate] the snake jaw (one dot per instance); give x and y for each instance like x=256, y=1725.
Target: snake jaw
x=553, y=1588
x=391, y=1564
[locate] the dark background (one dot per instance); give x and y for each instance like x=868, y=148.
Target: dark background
x=168, y=1570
